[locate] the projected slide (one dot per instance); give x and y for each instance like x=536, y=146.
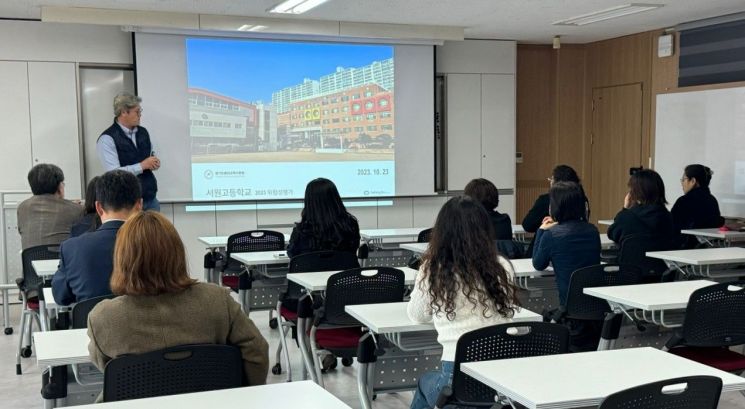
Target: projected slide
x=266, y=117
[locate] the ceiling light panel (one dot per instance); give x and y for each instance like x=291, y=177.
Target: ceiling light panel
x=296, y=6
x=607, y=14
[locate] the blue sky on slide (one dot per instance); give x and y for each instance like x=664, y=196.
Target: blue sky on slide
x=251, y=70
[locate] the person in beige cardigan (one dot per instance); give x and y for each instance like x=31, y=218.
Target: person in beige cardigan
x=159, y=306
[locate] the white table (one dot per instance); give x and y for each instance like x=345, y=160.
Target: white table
x=316, y=281
x=259, y=259
x=518, y=232
x=418, y=248
x=606, y=243
x=64, y=347
x=700, y=261
x=713, y=237
x=606, y=222
x=391, y=320
x=523, y=267
x=45, y=268
x=376, y=236
x=585, y=379
x=47, y=308
x=302, y=394
x=653, y=300
x=218, y=244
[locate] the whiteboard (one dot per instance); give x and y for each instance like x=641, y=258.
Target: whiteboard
x=706, y=127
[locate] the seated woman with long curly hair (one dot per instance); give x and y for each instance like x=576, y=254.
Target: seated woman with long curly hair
x=463, y=284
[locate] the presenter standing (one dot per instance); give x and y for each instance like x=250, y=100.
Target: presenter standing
x=126, y=145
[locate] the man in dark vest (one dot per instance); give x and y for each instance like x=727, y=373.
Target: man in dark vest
x=126, y=145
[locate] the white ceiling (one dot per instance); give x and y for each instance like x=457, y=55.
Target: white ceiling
x=527, y=21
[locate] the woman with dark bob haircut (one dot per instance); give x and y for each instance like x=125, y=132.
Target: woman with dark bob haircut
x=160, y=306
x=484, y=192
x=565, y=239
x=325, y=224
x=463, y=284
x=644, y=211
x=697, y=208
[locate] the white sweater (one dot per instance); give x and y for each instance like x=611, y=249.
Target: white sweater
x=466, y=318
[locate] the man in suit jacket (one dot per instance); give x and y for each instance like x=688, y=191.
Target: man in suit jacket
x=86, y=261
x=46, y=217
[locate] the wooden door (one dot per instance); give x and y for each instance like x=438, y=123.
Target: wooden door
x=616, y=141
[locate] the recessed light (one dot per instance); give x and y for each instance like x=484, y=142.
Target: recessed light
x=295, y=6
x=249, y=27
x=607, y=14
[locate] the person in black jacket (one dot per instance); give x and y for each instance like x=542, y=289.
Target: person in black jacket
x=697, y=208
x=484, y=192
x=534, y=218
x=324, y=223
x=644, y=211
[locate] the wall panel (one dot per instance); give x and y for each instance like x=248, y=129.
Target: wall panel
x=15, y=156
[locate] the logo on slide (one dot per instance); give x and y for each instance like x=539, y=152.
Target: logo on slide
x=208, y=174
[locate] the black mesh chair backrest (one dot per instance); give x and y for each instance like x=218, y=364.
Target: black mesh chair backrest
x=81, y=310
x=504, y=341
x=370, y=285
x=715, y=316
x=319, y=261
x=632, y=252
x=424, y=236
x=581, y=306
x=171, y=371
x=699, y=392
x=251, y=241
x=31, y=280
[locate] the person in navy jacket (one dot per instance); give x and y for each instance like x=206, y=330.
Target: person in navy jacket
x=565, y=239
x=86, y=261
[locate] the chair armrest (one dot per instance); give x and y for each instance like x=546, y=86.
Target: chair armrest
x=444, y=396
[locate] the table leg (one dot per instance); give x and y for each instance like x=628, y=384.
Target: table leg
x=363, y=388
x=672, y=265
x=6, y=310
x=43, y=315
x=611, y=330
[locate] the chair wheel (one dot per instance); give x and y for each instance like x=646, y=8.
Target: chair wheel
x=328, y=363
x=375, y=396
x=26, y=352
x=346, y=361
x=273, y=323
x=8, y=330
x=277, y=369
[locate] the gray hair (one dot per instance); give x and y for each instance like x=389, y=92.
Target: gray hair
x=124, y=102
